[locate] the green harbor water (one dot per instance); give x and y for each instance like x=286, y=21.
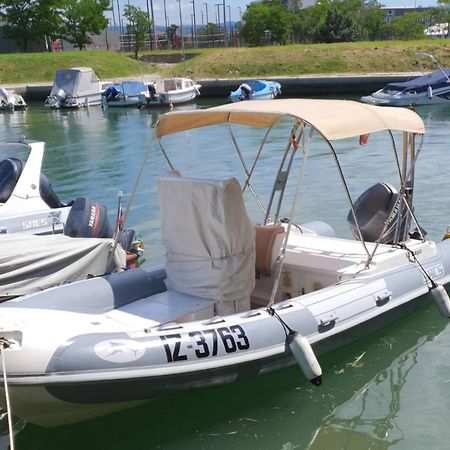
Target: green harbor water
x=390, y=390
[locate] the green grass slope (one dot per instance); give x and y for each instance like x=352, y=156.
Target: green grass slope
x=22, y=68
x=291, y=60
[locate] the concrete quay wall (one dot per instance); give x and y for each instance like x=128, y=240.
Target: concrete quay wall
x=310, y=86
x=302, y=86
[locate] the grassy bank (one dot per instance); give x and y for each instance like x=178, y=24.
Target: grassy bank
x=292, y=60
x=41, y=67
x=361, y=57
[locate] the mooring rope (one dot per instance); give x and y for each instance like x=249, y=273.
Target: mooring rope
x=287, y=329
x=413, y=259
x=3, y=345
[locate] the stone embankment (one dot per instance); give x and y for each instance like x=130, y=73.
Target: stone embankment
x=302, y=86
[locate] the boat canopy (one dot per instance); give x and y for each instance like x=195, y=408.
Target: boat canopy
x=437, y=79
x=131, y=87
x=333, y=119
x=76, y=81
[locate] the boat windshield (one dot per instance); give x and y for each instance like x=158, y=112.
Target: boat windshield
x=436, y=79
x=14, y=150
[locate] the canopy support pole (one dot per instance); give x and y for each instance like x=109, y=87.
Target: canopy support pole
x=280, y=169
x=280, y=259
x=244, y=165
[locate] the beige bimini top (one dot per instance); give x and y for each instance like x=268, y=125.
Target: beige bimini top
x=334, y=119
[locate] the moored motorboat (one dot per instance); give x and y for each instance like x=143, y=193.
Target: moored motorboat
x=234, y=299
x=170, y=92
x=256, y=90
x=29, y=205
x=75, y=88
x=126, y=93
x=430, y=89
x=11, y=101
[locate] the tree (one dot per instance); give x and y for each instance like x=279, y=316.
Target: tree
x=81, y=18
x=269, y=18
x=337, y=27
x=171, y=35
x=30, y=20
x=408, y=26
x=255, y=19
x=374, y=23
x=138, y=26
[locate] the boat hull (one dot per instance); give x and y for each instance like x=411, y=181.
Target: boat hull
x=167, y=99
x=381, y=99
x=123, y=101
x=71, y=402
x=101, y=366
x=82, y=101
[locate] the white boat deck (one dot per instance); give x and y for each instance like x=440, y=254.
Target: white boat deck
x=348, y=257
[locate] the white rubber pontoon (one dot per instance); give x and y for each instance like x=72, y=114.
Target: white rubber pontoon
x=233, y=299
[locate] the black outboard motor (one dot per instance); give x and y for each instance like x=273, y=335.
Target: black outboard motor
x=87, y=219
x=372, y=210
x=48, y=194
x=152, y=91
x=10, y=170
x=245, y=91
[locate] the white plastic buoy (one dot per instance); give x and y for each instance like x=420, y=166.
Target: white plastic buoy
x=441, y=298
x=304, y=354
x=430, y=92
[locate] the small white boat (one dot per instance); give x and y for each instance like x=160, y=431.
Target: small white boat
x=28, y=203
x=126, y=93
x=30, y=206
x=256, y=90
x=170, y=92
x=76, y=88
x=430, y=89
x=10, y=100
x=234, y=299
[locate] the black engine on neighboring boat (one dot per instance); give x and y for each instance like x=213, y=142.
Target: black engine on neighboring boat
x=89, y=219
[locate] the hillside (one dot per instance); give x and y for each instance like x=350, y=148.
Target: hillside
x=292, y=60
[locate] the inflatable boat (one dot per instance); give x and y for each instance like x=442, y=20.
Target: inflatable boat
x=236, y=297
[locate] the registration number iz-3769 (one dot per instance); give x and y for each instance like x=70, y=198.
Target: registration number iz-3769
x=205, y=343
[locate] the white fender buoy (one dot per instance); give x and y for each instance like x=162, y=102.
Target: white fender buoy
x=306, y=359
x=441, y=298
x=430, y=92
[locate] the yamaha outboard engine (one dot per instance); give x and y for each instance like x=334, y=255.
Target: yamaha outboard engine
x=372, y=209
x=10, y=170
x=87, y=219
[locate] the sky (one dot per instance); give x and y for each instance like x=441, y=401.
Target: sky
x=233, y=8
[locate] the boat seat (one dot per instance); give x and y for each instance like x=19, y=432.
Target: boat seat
x=209, y=241
x=268, y=240
x=10, y=171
